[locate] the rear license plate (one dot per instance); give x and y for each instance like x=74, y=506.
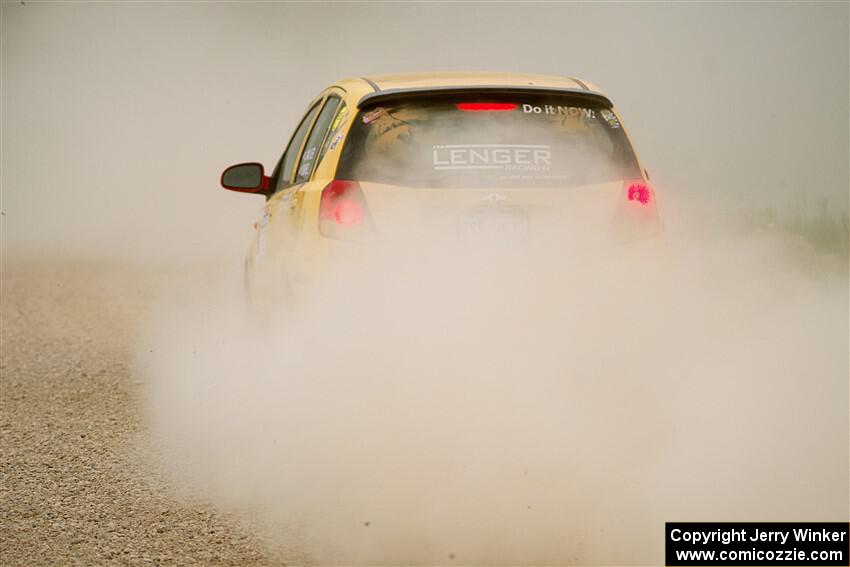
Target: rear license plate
x=493, y=226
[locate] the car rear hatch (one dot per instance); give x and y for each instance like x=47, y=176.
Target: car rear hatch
x=488, y=167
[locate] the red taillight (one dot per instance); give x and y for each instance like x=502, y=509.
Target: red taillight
x=636, y=216
x=342, y=209
x=639, y=192
x=485, y=106
x=348, y=213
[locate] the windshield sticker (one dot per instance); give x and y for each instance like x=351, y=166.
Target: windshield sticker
x=335, y=141
x=339, y=119
x=335, y=135
x=374, y=115
x=610, y=118
x=562, y=110
x=508, y=157
x=307, y=162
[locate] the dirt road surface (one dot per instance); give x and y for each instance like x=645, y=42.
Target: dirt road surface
x=78, y=481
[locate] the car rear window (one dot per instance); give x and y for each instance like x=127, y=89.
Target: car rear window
x=488, y=141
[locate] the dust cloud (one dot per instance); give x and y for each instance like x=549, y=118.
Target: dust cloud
x=421, y=407
x=427, y=406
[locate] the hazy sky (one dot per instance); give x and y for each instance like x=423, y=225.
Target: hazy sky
x=117, y=118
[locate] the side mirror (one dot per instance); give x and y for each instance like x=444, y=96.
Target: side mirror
x=245, y=178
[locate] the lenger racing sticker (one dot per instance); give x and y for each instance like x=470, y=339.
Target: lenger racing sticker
x=508, y=157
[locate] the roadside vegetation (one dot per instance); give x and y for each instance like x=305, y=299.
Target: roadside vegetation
x=822, y=225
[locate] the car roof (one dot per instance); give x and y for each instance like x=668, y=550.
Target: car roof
x=457, y=79
x=369, y=86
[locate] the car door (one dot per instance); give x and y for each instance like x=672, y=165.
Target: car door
x=280, y=222
x=293, y=195
x=264, y=271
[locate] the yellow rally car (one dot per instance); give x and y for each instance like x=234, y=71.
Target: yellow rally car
x=457, y=158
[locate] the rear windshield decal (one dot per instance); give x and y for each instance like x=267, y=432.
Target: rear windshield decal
x=374, y=115
x=509, y=157
x=557, y=109
x=610, y=118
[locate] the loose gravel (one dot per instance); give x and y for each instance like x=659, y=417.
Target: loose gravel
x=78, y=481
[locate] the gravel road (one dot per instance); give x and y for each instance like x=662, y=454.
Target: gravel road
x=82, y=481
x=78, y=485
